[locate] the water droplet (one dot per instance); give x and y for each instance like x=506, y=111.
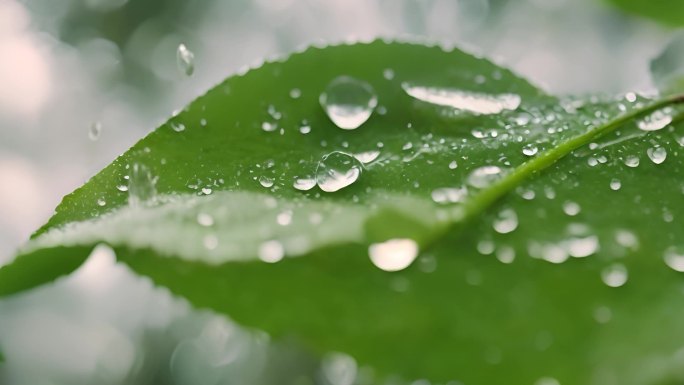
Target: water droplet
x=122, y=187
x=486, y=247
x=449, y=195
x=295, y=93
x=571, y=208
x=141, y=185
x=269, y=127
x=548, y=251
x=530, y=150
x=284, y=218
x=615, y=275
x=266, y=181
x=210, y=242
x=603, y=314
x=304, y=184
x=176, y=126
x=427, y=263
x=615, y=184
x=506, y=221
x=348, y=102
x=656, y=121
x=631, y=161
x=207, y=190
x=547, y=381
x=101, y=202
x=338, y=369
x=674, y=258
x=505, y=254
x=205, y=220
x=95, y=130
x=485, y=176
x=393, y=255
x=185, y=60
x=477, y=103
x=388, y=73
x=337, y=170
x=453, y=165
x=367, y=156
x=271, y=251
x=580, y=247
x=631, y=97
x=657, y=154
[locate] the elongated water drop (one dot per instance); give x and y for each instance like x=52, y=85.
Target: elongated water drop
x=349, y=102
x=657, y=154
x=477, y=103
x=185, y=60
x=393, y=255
x=337, y=170
x=304, y=184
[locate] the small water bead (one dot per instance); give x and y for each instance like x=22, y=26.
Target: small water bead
x=477, y=103
x=591, y=161
x=388, y=73
x=337, y=170
x=394, y=254
x=266, y=181
x=657, y=154
x=485, y=176
x=271, y=251
x=339, y=369
x=304, y=184
x=603, y=314
x=203, y=122
x=185, y=60
x=205, y=220
x=449, y=195
x=95, y=131
x=207, y=190
x=367, y=156
x=530, y=150
x=505, y=254
x=427, y=263
x=348, y=102
x=122, y=187
x=269, y=127
x=505, y=222
x=615, y=275
x=547, y=381
x=631, y=97
x=580, y=247
x=571, y=208
x=453, y=165
x=627, y=239
x=615, y=184
x=275, y=114
x=486, y=247
x=407, y=146
x=178, y=127
x=674, y=258
x=284, y=218
x=101, y=202
x=631, y=161
x=304, y=129
x=550, y=252
x=295, y=93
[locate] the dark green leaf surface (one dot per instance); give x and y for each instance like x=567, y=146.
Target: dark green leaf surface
x=531, y=300
x=669, y=12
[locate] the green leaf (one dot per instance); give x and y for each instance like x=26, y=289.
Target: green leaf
x=670, y=12
x=667, y=70
x=558, y=259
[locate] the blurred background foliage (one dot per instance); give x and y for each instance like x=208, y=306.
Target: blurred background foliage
x=68, y=65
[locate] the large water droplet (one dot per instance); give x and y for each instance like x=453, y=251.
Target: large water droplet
x=506, y=221
x=95, y=130
x=141, y=185
x=337, y=170
x=185, y=60
x=477, y=103
x=266, y=181
x=339, y=369
x=367, y=156
x=349, y=102
x=655, y=121
x=485, y=176
x=393, y=255
x=674, y=258
x=657, y=154
x=615, y=275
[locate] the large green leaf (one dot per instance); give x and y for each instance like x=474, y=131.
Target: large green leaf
x=566, y=272
x=669, y=12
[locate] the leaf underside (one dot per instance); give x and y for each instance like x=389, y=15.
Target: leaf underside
x=458, y=312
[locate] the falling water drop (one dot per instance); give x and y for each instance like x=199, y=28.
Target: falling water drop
x=657, y=154
x=393, y=255
x=349, y=102
x=95, y=131
x=337, y=170
x=185, y=60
